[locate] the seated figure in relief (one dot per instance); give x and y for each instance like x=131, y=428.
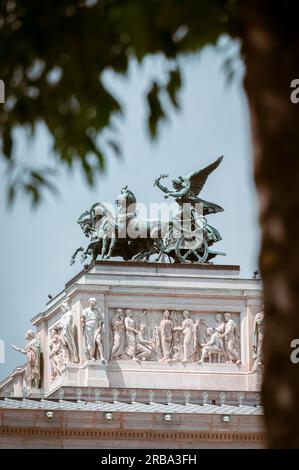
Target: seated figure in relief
x=214, y=346
x=144, y=346
x=137, y=347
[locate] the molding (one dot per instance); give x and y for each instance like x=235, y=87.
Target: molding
x=153, y=264
x=133, y=434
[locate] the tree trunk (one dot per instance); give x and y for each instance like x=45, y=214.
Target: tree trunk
x=270, y=47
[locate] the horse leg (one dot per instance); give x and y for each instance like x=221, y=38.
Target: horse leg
x=111, y=247
x=73, y=258
x=104, y=247
x=94, y=255
x=85, y=253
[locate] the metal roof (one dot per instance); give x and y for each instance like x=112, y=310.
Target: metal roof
x=134, y=407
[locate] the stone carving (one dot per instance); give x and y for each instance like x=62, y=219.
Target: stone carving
x=258, y=337
x=144, y=346
x=156, y=344
x=213, y=347
x=55, y=354
x=92, y=321
x=178, y=353
x=185, y=190
x=137, y=348
x=166, y=334
x=109, y=235
x=32, y=353
x=67, y=335
x=231, y=339
x=200, y=337
x=118, y=332
x=219, y=324
x=170, y=339
x=131, y=333
x=187, y=329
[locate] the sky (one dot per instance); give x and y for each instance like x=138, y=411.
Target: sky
x=36, y=245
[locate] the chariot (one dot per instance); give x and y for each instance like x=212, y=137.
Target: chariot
x=184, y=238
x=192, y=243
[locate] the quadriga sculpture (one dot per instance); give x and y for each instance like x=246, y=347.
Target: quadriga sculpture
x=184, y=238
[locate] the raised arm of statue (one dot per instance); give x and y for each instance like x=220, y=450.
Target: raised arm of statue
x=16, y=348
x=160, y=186
x=178, y=328
x=181, y=187
x=163, y=188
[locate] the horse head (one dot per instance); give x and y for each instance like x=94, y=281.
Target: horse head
x=126, y=200
x=85, y=222
x=98, y=211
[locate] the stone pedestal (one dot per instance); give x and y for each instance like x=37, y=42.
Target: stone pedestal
x=138, y=394
x=147, y=290
x=93, y=374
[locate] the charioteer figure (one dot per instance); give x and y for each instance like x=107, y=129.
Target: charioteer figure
x=186, y=189
x=184, y=238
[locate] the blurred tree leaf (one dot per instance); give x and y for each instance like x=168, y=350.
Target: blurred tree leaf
x=156, y=111
x=30, y=181
x=53, y=55
x=173, y=86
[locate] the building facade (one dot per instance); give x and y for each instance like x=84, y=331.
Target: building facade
x=134, y=354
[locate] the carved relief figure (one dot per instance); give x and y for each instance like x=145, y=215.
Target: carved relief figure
x=258, y=336
x=92, y=320
x=131, y=332
x=212, y=347
x=178, y=353
x=231, y=337
x=131, y=237
x=118, y=332
x=66, y=327
x=200, y=337
x=137, y=347
x=55, y=354
x=219, y=324
x=166, y=327
x=192, y=341
x=32, y=353
x=156, y=343
x=187, y=329
x=144, y=346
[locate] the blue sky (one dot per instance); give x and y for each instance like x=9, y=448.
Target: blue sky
x=36, y=245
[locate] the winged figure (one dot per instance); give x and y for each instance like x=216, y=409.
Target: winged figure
x=186, y=189
x=132, y=237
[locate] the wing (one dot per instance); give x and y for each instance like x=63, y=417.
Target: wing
x=199, y=178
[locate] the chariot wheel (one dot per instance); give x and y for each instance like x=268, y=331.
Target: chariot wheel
x=192, y=249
